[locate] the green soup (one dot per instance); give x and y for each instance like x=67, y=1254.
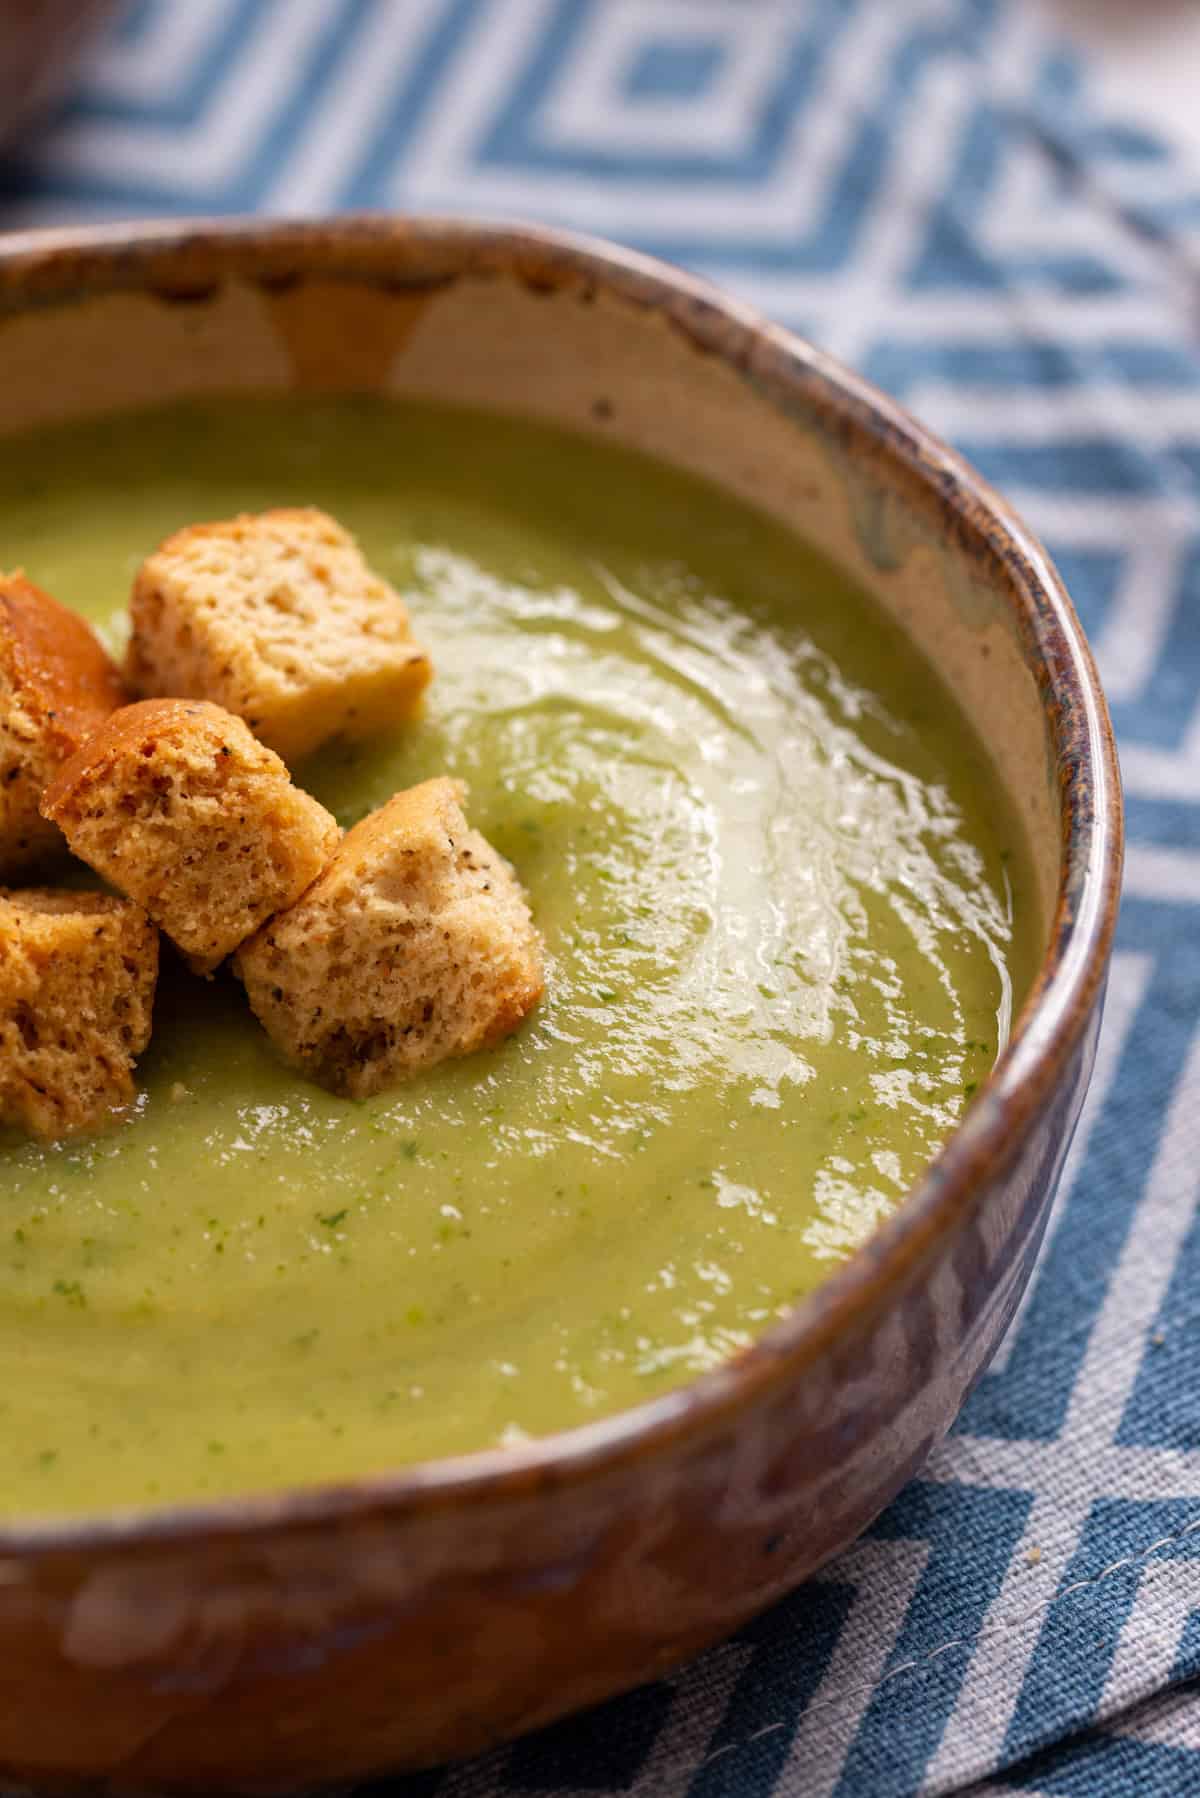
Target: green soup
x=784, y=914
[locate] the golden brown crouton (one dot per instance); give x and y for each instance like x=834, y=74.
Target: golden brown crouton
x=278, y=618
x=77, y=975
x=56, y=685
x=415, y=944
x=176, y=804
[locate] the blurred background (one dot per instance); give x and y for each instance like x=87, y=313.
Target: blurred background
x=1144, y=59
x=992, y=209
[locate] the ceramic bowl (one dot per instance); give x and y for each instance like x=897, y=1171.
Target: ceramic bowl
x=273, y=1643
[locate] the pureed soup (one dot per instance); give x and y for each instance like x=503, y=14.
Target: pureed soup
x=785, y=910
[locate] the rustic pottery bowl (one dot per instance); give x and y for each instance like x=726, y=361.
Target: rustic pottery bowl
x=276, y=1642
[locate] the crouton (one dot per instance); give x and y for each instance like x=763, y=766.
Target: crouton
x=278, y=618
x=177, y=805
x=56, y=685
x=415, y=944
x=77, y=977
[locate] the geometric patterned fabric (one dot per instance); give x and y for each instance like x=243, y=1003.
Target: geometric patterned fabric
x=925, y=189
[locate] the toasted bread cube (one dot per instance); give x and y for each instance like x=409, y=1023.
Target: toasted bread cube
x=56, y=685
x=77, y=977
x=277, y=617
x=414, y=945
x=177, y=805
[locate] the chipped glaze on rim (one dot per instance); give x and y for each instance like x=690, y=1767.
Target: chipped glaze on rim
x=190, y=263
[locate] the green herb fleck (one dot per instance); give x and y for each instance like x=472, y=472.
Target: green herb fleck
x=72, y=1291
x=331, y=1219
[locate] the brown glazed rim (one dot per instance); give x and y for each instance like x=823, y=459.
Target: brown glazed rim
x=189, y=263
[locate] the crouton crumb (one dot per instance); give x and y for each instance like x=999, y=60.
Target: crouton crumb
x=277, y=617
x=56, y=685
x=176, y=804
x=414, y=945
x=77, y=979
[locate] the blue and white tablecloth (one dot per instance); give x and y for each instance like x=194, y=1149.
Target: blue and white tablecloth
x=924, y=187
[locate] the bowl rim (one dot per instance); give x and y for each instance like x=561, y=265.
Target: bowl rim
x=162, y=257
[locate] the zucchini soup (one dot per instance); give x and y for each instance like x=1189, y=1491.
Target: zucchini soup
x=786, y=914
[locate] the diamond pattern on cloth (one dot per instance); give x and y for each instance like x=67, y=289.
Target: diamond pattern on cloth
x=926, y=190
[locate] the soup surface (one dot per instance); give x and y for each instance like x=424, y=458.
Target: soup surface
x=784, y=911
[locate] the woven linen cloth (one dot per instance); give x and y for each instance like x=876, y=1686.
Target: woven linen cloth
x=925, y=188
